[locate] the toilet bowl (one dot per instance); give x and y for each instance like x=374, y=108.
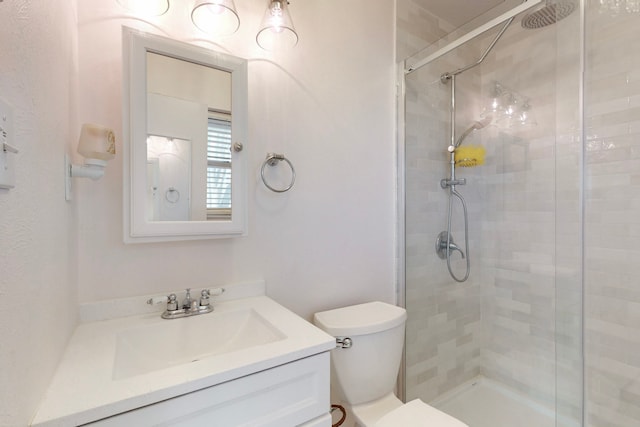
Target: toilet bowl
x=364, y=368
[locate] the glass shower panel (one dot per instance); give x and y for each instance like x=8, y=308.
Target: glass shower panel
x=510, y=335
x=612, y=216
x=443, y=326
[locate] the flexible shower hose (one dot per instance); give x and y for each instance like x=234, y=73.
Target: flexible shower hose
x=452, y=193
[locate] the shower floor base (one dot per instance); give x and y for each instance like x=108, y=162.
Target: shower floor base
x=486, y=403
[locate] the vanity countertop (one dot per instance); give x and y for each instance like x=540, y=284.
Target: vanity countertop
x=86, y=388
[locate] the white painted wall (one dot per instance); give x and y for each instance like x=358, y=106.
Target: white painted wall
x=328, y=105
x=38, y=72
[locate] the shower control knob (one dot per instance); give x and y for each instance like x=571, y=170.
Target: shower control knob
x=451, y=148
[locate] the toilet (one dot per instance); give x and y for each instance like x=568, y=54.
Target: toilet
x=364, y=367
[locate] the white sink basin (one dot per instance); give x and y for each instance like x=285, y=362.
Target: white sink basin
x=114, y=366
x=186, y=340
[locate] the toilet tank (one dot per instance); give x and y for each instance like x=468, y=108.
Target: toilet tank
x=369, y=368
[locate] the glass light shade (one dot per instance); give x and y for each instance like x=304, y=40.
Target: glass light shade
x=616, y=7
x=216, y=17
x=146, y=7
x=277, y=31
x=525, y=117
x=97, y=142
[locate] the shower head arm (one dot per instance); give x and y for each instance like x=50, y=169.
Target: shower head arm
x=447, y=76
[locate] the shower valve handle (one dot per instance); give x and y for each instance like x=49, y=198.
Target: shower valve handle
x=445, y=183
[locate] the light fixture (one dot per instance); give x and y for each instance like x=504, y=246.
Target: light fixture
x=617, y=7
x=277, y=31
x=508, y=108
x=215, y=17
x=219, y=18
x=146, y=7
x=97, y=145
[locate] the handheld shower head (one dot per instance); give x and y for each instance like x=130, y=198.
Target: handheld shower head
x=485, y=121
x=477, y=125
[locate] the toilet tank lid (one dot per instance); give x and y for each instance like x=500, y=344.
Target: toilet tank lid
x=360, y=319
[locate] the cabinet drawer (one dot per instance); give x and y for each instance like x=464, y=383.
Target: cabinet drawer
x=287, y=395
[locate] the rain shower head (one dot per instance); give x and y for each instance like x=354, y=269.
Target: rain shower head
x=552, y=12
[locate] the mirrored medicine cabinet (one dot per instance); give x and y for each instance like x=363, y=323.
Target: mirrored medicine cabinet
x=185, y=127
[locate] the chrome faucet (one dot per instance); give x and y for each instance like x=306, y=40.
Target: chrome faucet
x=190, y=306
x=187, y=300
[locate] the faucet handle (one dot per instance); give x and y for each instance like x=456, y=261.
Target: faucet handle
x=216, y=291
x=157, y=300
x=204, y=298
x=172, y=303
x=205, y=295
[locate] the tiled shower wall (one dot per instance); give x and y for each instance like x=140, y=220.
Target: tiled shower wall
x=501, y=323
x=531, y=239
x=443, y=328
x=612, y=220
x=529, y=197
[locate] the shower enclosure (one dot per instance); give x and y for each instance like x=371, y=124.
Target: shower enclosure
x=545, y=330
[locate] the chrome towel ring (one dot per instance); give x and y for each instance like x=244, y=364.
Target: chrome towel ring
x=272, y=160
x=172, y=195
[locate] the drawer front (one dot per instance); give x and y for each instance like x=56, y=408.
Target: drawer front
x=287, y=395
x=323, y=421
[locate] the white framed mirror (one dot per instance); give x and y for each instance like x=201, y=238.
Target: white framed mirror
x=185, y=127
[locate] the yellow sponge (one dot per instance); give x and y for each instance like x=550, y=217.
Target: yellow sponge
x=468, y=156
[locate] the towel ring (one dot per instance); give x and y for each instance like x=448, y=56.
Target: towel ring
x=172, y=195
x=272, y=160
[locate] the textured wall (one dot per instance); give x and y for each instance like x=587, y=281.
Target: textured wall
x=417, y=28
x=37, y=234
x=612, y=221
x=327, y=105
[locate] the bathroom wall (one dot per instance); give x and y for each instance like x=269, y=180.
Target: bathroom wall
x=328, y=105
x=612, y=220
x=38, y=72
x=417, y=28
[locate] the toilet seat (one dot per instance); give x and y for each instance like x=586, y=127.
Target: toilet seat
x=418, y=414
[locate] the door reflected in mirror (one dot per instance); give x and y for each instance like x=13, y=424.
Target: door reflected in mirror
x=174, y=87
x=168, y=179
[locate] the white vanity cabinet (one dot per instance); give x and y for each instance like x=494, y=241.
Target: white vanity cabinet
x=250, y=362
x=293, y=394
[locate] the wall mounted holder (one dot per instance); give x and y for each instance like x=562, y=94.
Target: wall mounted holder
x=97, y=145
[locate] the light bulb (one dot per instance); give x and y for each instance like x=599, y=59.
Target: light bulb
x=146, y=7
x=216, y=17
x=277, y=31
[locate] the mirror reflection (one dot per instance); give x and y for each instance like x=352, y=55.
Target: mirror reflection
x=189, y=141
